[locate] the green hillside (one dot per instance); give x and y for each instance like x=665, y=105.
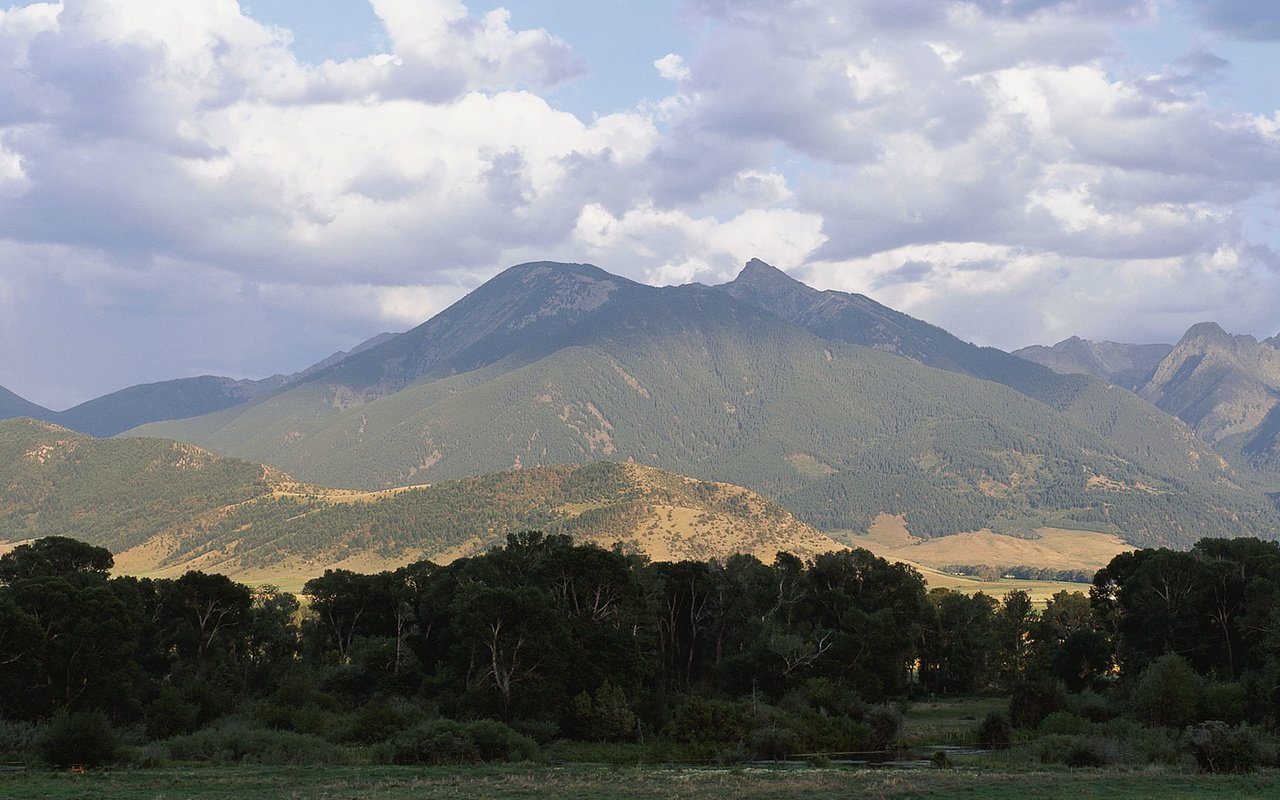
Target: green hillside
x=693, y=380
x=165, y=506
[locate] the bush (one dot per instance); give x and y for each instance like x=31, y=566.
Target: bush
x=1091, y=705
x=699, y=721
x=1034, y=700
x=1063, y=722
x=773, y=743
x=995, y=732
x=1143, y=745
x=886, y=726
x=444, y=741
x=83, y=737
x=171, y=714
x=1217, y=747
x=380, y=720
x=239, y=743
x=1167, y=692
x=1076, y=751
x=16, y=737
x=1226, y=702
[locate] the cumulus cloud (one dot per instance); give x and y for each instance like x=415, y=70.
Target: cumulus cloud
x=997, y=126
x=172, y=174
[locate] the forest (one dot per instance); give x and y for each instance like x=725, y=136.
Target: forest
x=1173, y=657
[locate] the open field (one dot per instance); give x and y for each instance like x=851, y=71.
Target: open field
x=749, y=783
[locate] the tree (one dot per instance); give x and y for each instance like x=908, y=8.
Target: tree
x=54, y=556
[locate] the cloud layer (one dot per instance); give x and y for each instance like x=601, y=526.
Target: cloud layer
x=180, y=194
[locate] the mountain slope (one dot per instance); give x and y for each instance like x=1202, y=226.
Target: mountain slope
x=11, y=405
x=138, y=405
x=181, y=398
x=1126, y=365
x=166, y=507
x=855, y=318
x=1225, y=387
x=694, y=380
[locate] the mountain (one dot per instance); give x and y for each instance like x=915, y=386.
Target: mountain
x=12, y=405
x=1225, y=387
x=181, y=398
x=174, y=399
x=165, y=507
x=552, y=364
x=855, y=318
x=1126, y=365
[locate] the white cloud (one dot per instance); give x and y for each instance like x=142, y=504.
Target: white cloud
x=972, y=160
x=672, y=67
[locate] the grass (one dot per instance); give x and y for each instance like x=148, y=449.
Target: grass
x=531, y=781
x=947, y=721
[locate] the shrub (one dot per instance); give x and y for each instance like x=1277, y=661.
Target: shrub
x=995, y=731
x=16, y=737
x=1226, y=702
x=1217, y=747
x=1034, y=700
x=171, y=714
x=498, y=742
x=815, y=732
x=83, y=737
x=1063, y=722
x=886, y=726
x=1143, y=745
x=941, y=760
x=1167, y=692
x=1091, y=705
x=239, y=743
x=444, y=741
x=699, y=720
x=607, y=715
x=1076, y=750
x=773, y=743
x=380, y=720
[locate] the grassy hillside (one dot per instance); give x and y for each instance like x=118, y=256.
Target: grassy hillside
x=692, y=380
x=165, y=507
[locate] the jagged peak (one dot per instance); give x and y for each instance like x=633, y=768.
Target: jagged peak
x=1206, y=331
x=757, y=271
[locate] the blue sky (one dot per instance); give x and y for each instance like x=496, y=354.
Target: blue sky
x=209, y=187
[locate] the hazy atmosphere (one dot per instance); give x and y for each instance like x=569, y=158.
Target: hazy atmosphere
x=242, y=189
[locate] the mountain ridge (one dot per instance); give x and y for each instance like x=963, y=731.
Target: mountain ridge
x=576, y=365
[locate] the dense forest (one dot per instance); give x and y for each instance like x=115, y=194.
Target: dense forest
x=540, y=640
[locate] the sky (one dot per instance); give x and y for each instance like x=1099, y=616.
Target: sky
x=241, y=189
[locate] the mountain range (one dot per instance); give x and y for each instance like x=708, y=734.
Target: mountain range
x=1225, y=387
x=180, y=398
x=836, y=406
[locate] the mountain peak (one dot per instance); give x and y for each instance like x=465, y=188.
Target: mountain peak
x=1211, y=333
x=758, y=273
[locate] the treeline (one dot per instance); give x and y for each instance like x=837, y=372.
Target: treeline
x=1021, y=572
x=543, y=640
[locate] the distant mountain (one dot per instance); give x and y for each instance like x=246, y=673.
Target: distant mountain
x=522, y=314
x=138, y=405
x=551, y=363
x=1127, y=365
x=181, y=398
x=855, y=318
x=13, y=406
x=1225, y=387
x=164, y=507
